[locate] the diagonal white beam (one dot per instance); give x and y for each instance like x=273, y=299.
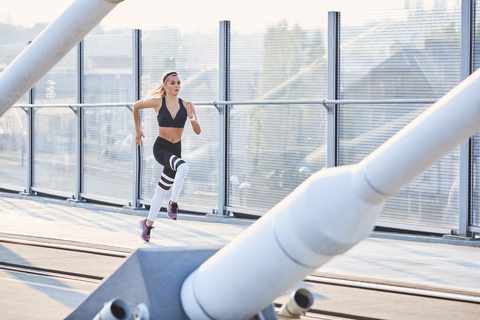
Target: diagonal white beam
x=49, y=47
x=326, y=215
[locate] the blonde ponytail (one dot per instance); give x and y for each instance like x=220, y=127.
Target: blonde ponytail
x=159, y=91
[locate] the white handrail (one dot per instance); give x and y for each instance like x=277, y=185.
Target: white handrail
x=253, y=102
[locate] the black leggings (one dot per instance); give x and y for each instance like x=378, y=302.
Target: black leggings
x=169, y=155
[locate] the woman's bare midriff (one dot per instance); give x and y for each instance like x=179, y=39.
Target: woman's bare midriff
x=173, y=135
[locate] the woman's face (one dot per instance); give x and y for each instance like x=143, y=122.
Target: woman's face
x=172, y=85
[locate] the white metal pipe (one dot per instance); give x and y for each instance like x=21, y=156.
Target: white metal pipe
x=211, y=103
x=76, y=105
x=297, y=304
x=326, y=215
x=115, y=309
x=49, y=47
x=326, y=101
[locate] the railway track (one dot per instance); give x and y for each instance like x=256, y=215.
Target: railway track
x=335, y=298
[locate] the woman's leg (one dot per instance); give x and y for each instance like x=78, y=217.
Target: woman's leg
x=166, y=181
x=163, y=186
x=181, y=167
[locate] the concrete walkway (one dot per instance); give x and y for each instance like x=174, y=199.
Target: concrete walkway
x=413, y=261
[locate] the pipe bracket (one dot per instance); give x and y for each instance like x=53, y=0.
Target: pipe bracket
x=329, y=109
x=219, y=109
x=73, y=109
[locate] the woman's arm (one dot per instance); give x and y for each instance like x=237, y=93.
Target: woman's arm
x=142, y=104
x=192, y=115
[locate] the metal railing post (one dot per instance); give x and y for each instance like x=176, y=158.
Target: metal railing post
x=333, y=52
x=78, y=120
x=223, y=95
x=464, y=179
x=30, y=133
x=136, y=36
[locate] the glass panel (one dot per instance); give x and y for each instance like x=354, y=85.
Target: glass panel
x=13, y=148
x=108, y=75
x=271, y=152
x=107, y=147
x=274, y=148
x=194, y=55
x=54, y=149
x=279, y=60
x=13, y=132
x=107, y=153
x=54, y=128
x=400, y=54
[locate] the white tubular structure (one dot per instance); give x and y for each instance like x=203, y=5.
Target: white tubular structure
x=297, y=304
x=326, y=215
x=115, y=309
x=49, y=47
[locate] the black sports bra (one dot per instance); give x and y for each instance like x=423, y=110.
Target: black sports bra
x=164, y=117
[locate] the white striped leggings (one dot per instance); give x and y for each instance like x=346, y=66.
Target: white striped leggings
x=168, y=154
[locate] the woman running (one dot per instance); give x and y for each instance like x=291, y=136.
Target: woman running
x=172, y=113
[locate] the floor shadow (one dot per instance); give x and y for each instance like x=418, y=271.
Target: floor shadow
x=60, y=295
x=28, y=211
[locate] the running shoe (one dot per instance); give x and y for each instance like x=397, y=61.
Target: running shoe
x=145, y=230
x=172, y=210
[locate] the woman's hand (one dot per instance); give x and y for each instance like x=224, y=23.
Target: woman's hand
x=138, y=138
x=190, y=113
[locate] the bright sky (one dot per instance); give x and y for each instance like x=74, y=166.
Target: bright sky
x=153, y=14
